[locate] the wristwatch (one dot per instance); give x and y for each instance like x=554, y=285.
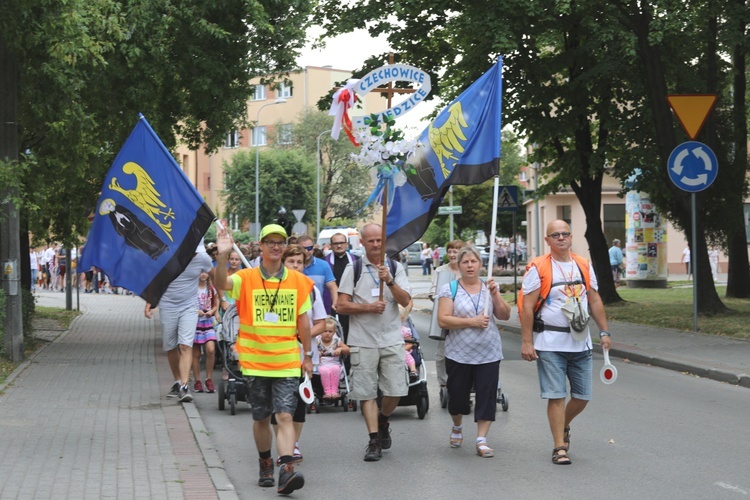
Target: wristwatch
x=391, y=283
x=603, y=333
x=309, y=353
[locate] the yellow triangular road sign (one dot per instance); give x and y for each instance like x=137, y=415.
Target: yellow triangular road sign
x=692, y=110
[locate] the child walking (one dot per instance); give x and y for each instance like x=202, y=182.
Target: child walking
x=330, y=349
x=205, y=335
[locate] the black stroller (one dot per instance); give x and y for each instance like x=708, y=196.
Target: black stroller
x=418, y=394
x=233, y=386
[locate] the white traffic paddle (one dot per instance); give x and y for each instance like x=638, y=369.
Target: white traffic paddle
x=609, y=372
x=306, y=391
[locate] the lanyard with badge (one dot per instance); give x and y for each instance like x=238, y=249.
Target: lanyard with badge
x=375, y=291
x=270, y=316
x=479, y=297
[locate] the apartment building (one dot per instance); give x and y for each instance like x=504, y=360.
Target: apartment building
x=301, y=92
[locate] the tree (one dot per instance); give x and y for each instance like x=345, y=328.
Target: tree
x=287, y=177
x=87, y=67
x=344, y=186
x=575, y=86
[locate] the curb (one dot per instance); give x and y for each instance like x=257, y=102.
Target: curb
x=217, y=472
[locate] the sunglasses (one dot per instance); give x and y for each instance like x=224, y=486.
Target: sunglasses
x=555, y=236
x=309, y=248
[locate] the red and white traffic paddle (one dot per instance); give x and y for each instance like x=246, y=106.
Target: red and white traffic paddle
x=306, y=391
x=609, y=372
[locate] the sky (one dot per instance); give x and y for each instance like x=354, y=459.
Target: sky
x=349, y=52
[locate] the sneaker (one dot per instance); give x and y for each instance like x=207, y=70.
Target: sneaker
x=174, y=392
x=289, y=480
x=266, y=472
x=198, y=387
x=384, y=435
x=297, y=454
x=210, y=386
x=185, y=396
x=373, y=452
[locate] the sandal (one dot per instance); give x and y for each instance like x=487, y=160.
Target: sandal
x=457, y=438
x=566, y=438
x=485, y=451
x=560, y=459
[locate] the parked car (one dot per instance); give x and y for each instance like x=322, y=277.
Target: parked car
x=415, y=249
x=485, y=254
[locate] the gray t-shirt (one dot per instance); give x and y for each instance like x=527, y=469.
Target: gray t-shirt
x=182, y=293
x=373, y=330
x=471, y=346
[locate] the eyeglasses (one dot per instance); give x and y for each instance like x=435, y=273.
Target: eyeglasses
x=555, y=236
x=278, y=244
x=338, y=243
x=309, y=249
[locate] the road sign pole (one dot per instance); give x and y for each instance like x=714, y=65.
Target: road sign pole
x=450, y=198
x=694, y=268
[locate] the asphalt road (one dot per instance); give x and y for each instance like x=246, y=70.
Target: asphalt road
x=653, y=434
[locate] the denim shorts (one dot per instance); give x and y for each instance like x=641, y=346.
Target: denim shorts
x=556, y=368
x=272, y=395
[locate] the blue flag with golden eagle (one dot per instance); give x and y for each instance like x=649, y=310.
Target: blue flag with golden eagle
x=149, y=218
x=461, y=146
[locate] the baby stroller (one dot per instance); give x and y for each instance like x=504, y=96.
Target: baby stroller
x=233, y=386
x=343, y=399
x=417, y=386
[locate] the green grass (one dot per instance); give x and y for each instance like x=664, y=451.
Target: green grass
x=673, y=308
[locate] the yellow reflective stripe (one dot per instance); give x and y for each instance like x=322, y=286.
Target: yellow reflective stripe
x=245, y=343
x=250, y=372
x=284, y=358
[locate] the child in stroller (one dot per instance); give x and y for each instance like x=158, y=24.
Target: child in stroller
x=329, y=381
x=330, y=348
x=233, y=386
x=418, y=373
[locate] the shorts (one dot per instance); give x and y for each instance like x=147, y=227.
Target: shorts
x=300, y=413
x=269, y=395
x=374, y=367
x=178, y=327
x=555, y=368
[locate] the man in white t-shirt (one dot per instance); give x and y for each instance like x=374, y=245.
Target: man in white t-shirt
x=562, y=354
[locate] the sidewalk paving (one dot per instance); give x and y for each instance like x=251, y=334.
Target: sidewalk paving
x=87, y=415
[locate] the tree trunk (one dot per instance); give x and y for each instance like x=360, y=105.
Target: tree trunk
x=738, y=281
x=666, y=140
x=591, y=202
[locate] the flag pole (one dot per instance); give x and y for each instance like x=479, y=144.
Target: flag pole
x=493, y=230
x=234, y=246
x=383, y=256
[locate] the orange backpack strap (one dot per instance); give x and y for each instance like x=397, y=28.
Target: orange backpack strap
x=543, y=266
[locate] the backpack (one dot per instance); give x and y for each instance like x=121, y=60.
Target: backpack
x=357, y=265
x=543, y=265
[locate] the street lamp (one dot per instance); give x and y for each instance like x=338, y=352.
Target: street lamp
x=317, y=211
x=257, y=166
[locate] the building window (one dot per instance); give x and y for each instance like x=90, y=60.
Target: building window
x=614, y=222
x=259, y=136
x=232, y=140
x=285, y=91
x=522, y=176
x=285, y=133
x=564, y=213
x=260, y=93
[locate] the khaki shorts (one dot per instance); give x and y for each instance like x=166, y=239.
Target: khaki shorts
x=374, y=367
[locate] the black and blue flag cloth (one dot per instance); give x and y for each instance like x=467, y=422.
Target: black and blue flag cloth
x=461, y=146
x=149, y=218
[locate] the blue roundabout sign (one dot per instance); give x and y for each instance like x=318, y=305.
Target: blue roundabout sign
x=692, y=166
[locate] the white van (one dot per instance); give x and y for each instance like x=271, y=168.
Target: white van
x=352, y=235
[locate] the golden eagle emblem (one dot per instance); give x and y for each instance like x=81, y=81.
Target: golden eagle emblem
x=445, y=140
x=146, y=197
